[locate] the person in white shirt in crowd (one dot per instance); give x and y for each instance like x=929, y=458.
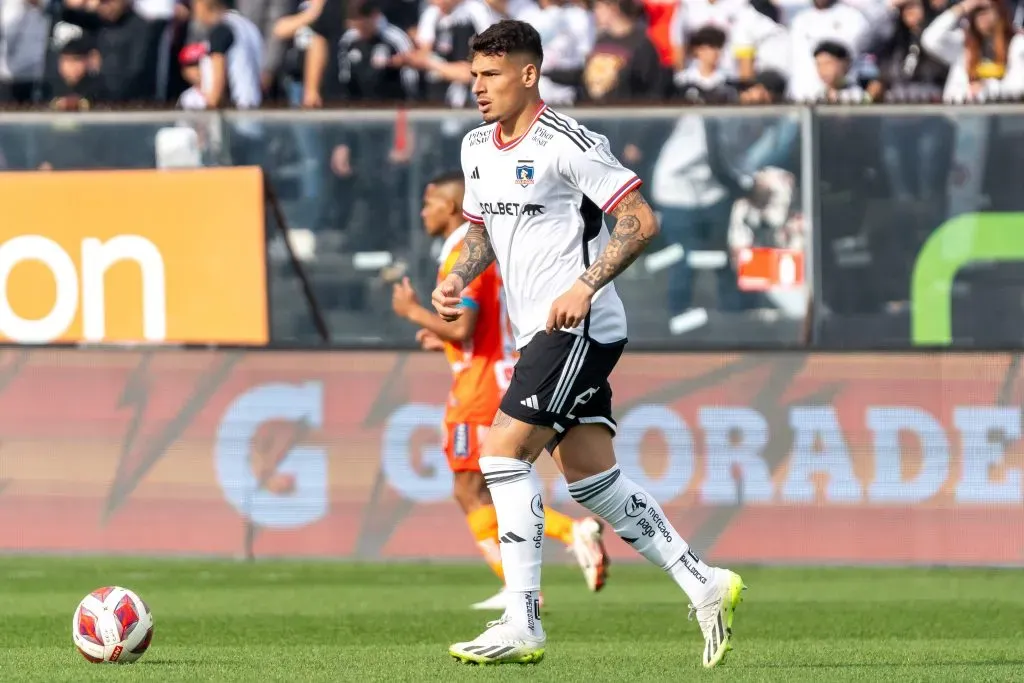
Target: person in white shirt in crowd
x=509, y=9
x=442, y=42
x=567, y=33
x=703, y=80
x=693, y=15
x=986, y=56
x=759, y=43
x=827, y=21
x=832, y=61
x=24, y=28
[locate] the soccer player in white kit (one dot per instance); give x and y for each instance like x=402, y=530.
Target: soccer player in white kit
x=537, y=186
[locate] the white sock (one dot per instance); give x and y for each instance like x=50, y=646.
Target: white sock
x=517, y=502
x=639, y=520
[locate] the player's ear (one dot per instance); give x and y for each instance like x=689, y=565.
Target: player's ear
x=530, y=75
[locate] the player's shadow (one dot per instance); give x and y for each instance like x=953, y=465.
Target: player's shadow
x=179, y=661
x=890, y=665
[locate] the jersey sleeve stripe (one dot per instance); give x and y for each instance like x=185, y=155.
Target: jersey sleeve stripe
x=610, y=205
x=471, y=218
x=561, y=127
x=574, y=141
x=574, y=128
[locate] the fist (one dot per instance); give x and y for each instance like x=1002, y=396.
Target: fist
x=446, y=298
x=569, y=310
x=403, y=298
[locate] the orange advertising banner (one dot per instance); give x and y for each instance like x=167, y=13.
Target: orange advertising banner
x=133, y=256
x=795, y=458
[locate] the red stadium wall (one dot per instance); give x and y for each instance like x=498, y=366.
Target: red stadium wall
x=910, y=458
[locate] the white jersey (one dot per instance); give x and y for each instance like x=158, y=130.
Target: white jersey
x=542, y=198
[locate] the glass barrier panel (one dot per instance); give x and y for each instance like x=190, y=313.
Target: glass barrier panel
x=726, y=184
x=921, y=239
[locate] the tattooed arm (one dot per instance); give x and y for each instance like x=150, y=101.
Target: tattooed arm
x=474, y=257
x=635, y=227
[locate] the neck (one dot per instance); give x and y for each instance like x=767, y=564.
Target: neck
x=706, y=69
x=454, y=223
x=517, y=124
x=621, y=28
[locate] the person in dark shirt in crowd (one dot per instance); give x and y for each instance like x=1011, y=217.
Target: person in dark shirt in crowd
x=77, y=87
x=908, y=72
x=624, y=65
x=369, y=57
x=129, y=47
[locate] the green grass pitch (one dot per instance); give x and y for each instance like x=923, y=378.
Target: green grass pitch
x=317, y=621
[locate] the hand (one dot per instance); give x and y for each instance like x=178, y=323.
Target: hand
x=446, y=298
x=571, y=308
x=403, y=298
x=632, y=154
x=341, y=162
x=311, y=99
x=429, y=341
x=760, y=193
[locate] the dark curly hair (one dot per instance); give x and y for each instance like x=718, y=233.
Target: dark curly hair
x=509, y=37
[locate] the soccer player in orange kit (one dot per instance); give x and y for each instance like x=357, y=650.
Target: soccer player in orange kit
x=481, y=351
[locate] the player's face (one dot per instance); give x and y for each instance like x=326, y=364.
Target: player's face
x=501, y=84
x=437, y=209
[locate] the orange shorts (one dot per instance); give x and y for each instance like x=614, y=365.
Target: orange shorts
x=462, y=442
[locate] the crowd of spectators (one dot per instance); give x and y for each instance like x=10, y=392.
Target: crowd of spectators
x=198, y=54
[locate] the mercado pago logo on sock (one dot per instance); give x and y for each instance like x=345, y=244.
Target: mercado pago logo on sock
x=537, y=506
x=538, y=538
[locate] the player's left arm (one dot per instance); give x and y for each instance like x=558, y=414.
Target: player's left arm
x=459, y=330
x=635, y=227
x=406, y=305
x=590, y=165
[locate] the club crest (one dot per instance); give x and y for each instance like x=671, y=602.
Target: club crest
x=524, y=173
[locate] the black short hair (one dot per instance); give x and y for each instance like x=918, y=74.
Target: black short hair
x=708, y=36
x=772, y=81
x=448, y=178
x=363, y=10
x=830, y=47
x=509, y=37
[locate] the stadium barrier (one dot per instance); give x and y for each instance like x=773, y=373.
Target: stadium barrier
x=909, y=458
x=857, y=195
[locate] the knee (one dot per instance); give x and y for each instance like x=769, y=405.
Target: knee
x=505, y=445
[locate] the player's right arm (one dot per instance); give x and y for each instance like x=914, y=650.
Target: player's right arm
x=475, y=255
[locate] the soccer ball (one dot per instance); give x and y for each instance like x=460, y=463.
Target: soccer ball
x=112, y=624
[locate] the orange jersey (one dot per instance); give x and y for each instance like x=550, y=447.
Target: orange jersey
x=481, y=366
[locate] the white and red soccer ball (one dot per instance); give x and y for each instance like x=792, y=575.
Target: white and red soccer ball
x=113, y=625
